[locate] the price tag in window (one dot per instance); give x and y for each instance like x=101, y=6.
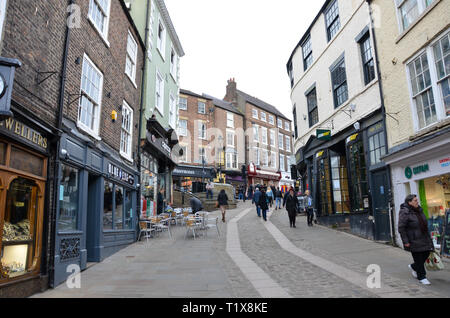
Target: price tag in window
x=61, y=193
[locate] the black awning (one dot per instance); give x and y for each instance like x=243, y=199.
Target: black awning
x=193, y=172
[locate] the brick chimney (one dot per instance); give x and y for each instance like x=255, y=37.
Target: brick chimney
x=231, y=95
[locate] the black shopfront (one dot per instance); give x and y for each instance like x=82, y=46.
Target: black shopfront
x=348, y=180
x=96, y=203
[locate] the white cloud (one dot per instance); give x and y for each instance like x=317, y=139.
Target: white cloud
x=249, y=40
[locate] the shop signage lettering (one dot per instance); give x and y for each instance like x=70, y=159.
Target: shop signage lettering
x=323, y=134
x=445, y=162
x=409, y=172
x=166, y=147
x=120, y=175
x=16, y=128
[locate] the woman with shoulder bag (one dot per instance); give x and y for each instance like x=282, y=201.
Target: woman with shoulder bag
x=413, y=228
x=222, y=202
x=291, y=204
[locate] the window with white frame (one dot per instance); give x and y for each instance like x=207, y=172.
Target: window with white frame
x=280, y=123
x=230, y=120
x=182, y=127
x=280, y=141
x=272, y=138
x=161, y=40
x=255, y=133
x=90, y=101
x=202, y=130
x=273, y=160
x=271, y=120
x=173, y=63
x=231, y=160
x=332, y=20
x=2, y=17
x=256, y=156
x=263, y=116
x=264, y=135
x=159, y=93
x=99, y=15
x=288, y=143
x=422, y=90
x=410, y=10
x=131, y=60
x=172, y=111
x=230, y=139
x=287, y=126
x=202, y=155
x=282, y=163
x=441, y=54
x=255, y=113
x=183, y=103
x=126, y=136
x=201, y=107
x=265, y=158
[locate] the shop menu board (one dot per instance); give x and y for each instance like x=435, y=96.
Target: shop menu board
x=446, y=236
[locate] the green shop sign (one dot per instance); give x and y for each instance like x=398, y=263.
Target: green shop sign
x=409, y=172
x=323, y=134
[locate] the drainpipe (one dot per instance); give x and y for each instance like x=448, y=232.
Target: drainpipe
x=143, y=81
x=383, y=110
x=57, y=153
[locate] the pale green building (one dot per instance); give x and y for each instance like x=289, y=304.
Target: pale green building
x=159, y=116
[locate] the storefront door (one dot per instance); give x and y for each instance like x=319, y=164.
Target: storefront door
x=380, y=201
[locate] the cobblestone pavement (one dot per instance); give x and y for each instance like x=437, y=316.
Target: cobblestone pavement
x=202, y=267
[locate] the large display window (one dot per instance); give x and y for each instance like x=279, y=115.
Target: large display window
x=22, y=186
x=358, y=175
x=325, y=196
x=117, y=207
x=69, y=190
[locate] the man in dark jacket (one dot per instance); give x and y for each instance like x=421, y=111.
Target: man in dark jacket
x=263, y=203
x=160, y=204
x=291, y=204
x=413, y=228
x=255, y=200
x=196, y=205
x=278, y=198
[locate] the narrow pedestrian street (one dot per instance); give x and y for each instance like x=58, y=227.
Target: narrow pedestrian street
x=254, y=259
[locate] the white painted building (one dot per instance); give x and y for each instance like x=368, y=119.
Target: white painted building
x=335, y=88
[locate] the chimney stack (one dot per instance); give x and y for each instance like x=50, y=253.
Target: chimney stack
x=231, y=95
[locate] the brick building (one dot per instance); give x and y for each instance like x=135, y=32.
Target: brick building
x=211, y=135
x=76, y=102
x=268, y=143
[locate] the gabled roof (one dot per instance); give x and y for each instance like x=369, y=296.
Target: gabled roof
x=223, y=104
x=261, y=104
x=190, y=93
x=173, y=34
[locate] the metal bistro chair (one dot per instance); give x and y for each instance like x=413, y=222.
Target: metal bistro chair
x=203, y=216
x=145, y=227
x=211, y=223
x=193, y=224
x=163, y=225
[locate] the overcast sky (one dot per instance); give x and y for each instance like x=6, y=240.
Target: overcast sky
x=249, y=40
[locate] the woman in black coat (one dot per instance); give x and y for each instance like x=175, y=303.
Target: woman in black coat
x=264, y=203
x=291, y=204
x=222, y=201
x=413, y=228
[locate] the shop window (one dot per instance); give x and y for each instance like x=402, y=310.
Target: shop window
x=20, y=222
x=108, y=206
x=359, y=185
x=25, y=161
x=68, y=196
x=118, y=210
x=128, y=209
x=340, y=184
x=2, y=153
x=326, y=207
x=377, y=148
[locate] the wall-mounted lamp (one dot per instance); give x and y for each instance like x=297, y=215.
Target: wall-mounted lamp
x=64, y=154
x=305, y=117
x=394, y=61
x=357, y=126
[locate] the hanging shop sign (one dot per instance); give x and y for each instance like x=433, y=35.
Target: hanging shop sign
x=18, y=130
x=7, y=70
x=352, y=138
x=324, y=135
x=409, y=172
x=120, y=175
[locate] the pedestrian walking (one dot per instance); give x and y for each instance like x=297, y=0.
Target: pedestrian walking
x=291, y=204
x=264, y=203
x=209, y=190
x=222, y=201
x=255, y=200
x=278, y=198
x=270, y=196
x=413, y=229
x=309, y=208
